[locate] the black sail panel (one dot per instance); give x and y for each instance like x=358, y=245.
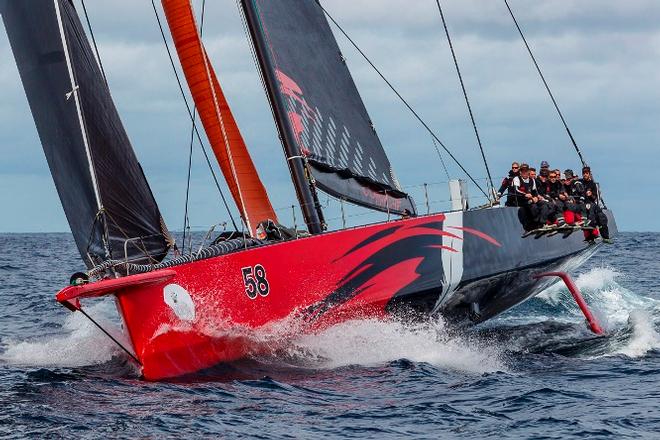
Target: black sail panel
x=103, y=190
x=326, y=115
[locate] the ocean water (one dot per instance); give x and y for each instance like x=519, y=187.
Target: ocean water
x=534, y=372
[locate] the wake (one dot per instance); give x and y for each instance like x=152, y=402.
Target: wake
x=79, y=344
x=630, y=320
x=551, y=322
x=374, y=342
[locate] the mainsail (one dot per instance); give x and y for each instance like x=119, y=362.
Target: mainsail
x=319, y=105
x=105, y=195
x=219, y=123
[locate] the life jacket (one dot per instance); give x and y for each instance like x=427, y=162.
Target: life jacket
x=589, y=185
x=543, y=187
x=522, y=187
x=526, y=187
x=548, y=189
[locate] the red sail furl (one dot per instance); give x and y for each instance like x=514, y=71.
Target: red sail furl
x=219, y=123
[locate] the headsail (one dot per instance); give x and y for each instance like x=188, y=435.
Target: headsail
x=219, y=123
x=105, y=195
x=322, y=108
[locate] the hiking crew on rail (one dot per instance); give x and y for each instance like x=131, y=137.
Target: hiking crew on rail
x=547, y=200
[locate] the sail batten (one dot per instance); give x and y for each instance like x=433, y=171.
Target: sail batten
x=221, y=128
x=324, y=114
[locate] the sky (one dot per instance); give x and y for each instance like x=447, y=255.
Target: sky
x=601, y=58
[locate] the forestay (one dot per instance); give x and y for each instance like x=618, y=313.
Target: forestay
x=105, y=195
x=320, y=104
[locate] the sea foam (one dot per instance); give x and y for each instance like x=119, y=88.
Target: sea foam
x=79, y=344
x=372, y=342
x=618, y=309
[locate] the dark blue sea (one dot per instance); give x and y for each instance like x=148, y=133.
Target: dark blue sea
x=535, y=372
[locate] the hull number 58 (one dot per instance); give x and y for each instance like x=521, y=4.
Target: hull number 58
x=255, y=281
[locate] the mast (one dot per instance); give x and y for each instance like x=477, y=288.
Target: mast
x=302, y=179
x=328, y=136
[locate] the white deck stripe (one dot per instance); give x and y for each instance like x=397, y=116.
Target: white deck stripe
x=452, y=262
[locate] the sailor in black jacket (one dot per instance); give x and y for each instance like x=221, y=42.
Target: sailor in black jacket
x=589, y=188
x=526, y=196
x=507, y=185
x=569, y=183
x=548, y=185
x=591, y=198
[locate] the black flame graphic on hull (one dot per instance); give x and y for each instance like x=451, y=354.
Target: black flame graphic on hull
x=398, y=244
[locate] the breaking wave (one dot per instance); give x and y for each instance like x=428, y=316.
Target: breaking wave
x=630, y=320
x=551, y=322
x=644, y=336
x=375, y=342
x=79, y=344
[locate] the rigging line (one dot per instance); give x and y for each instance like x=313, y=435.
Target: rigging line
x=186, y=220
x=96, y=49
x=402, y=99
x=241, y=203
x=190, y=114
x=190, y=155
x=102, y=212
x=128, y=352
x=442, y=161
x=545, y=83
x=75, y=90
x=465, y=95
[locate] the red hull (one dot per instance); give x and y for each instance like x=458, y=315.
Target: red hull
x=299, y=281
x=192, y=316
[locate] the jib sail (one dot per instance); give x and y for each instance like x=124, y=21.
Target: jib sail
x=319, y=107
x=219, y=123
x=105, y=195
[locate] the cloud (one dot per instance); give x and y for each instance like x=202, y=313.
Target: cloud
x=601, y=58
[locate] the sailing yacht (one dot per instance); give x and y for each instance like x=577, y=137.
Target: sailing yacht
x=185, y=313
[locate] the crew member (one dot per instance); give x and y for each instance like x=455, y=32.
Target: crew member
x=589, y=194
x=569, y=182
x=524, y=188
x=588, y=187
x=553, y=186
x=507, y=185
x=542, y=180
x=551, y=191
x=572, y=212
x=544, y=166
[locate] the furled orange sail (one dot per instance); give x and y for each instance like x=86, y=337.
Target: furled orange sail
x=219, y=123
